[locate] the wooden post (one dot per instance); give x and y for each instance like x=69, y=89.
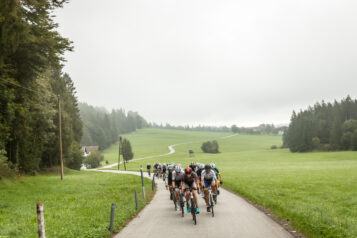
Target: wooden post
x=119, y=157
x=112, y=212
x=60, y=134
x=40, y=221
x=120, y=145
x=136, y=199
x=142, y=181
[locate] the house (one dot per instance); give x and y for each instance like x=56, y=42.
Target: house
x=86, y=150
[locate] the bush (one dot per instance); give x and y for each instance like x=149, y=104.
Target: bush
x=210, y=147
x=93, y=160
x=5, y=170
x=75, y=160
x=273, y=147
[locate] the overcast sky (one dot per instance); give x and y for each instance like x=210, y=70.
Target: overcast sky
x=211, y=62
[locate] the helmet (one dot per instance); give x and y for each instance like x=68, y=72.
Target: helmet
x=213, y=165
x=192, y=163
x=207, y=166
x=188, y=170
x=201, y=166
x=173, y=164
x=163, y=164
x=178, y=168
x=170, y=166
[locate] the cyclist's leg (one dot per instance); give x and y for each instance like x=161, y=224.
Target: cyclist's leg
x=194, y=192
x=205, y=187
x=214, y=187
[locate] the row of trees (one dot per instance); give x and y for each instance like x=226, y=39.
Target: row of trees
x=269, y=129
x=191, y=128
x=102, y=128
x=325, y=126
x=31, y=83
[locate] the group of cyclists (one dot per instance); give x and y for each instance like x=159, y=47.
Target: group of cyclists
x=189, y=182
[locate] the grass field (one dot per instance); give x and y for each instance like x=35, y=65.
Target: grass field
x=316, y=191
x=78, y=206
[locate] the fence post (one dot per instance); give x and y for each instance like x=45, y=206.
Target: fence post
x=136, y=200
x=40, y=221
x=112, y=212
x=153, y=183
x=142, y=181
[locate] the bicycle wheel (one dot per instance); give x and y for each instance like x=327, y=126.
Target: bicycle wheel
x=193, y=211
x=182, y=205
x=175, y=200
x=211, y=203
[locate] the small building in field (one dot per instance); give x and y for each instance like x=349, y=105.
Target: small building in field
x=86, y=150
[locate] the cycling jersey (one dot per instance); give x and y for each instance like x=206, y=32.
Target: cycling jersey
x=178, y=176
x=169, y=178
x=193, y=167
x=199, y=172
x=190, y=179
x=216, y=170
x=164, y=169
x=208, y=176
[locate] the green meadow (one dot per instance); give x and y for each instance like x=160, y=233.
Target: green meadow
x=316, y=192
x=78, y=206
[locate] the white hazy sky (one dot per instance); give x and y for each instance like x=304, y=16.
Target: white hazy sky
x=211, y=62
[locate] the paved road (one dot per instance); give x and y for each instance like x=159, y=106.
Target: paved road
x=234, y=217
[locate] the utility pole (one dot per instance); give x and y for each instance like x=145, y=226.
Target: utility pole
x=60, y=133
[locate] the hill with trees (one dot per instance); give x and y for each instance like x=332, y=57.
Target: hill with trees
x=325, y=126
x=103, y=128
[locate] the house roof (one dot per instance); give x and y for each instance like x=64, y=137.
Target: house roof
x=92, y=148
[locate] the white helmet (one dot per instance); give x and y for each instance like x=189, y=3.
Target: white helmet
x=178, y=168
x=201, y=166
x=213, y=165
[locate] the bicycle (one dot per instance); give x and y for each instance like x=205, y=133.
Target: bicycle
x=193, y=207
x=182, y=204
x=211, y=200
x=173, y=196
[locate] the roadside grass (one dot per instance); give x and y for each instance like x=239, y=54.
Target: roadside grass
x=316, y=192
x=78, y=206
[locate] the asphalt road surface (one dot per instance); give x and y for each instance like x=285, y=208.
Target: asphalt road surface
x=234, y=217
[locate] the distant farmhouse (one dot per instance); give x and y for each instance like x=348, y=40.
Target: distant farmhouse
x=86, y=150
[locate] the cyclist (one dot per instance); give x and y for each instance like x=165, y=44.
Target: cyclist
x=190, y=182
x=200, y=168
x=156, y=172
x=171, y=169
x=148, y=167
x=177, y=177
x=159, y=170
x=218, y=175
x=164, y=169
x=193, y=166
x=208, y=178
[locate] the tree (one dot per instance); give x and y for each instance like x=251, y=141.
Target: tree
x=235, y=129
x=126, y=150
x=315, y=143
x=210, y=147
x=31, y=77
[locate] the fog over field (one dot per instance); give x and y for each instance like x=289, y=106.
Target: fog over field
x=211, y=62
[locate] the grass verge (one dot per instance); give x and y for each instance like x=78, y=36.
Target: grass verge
x=78, y=206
